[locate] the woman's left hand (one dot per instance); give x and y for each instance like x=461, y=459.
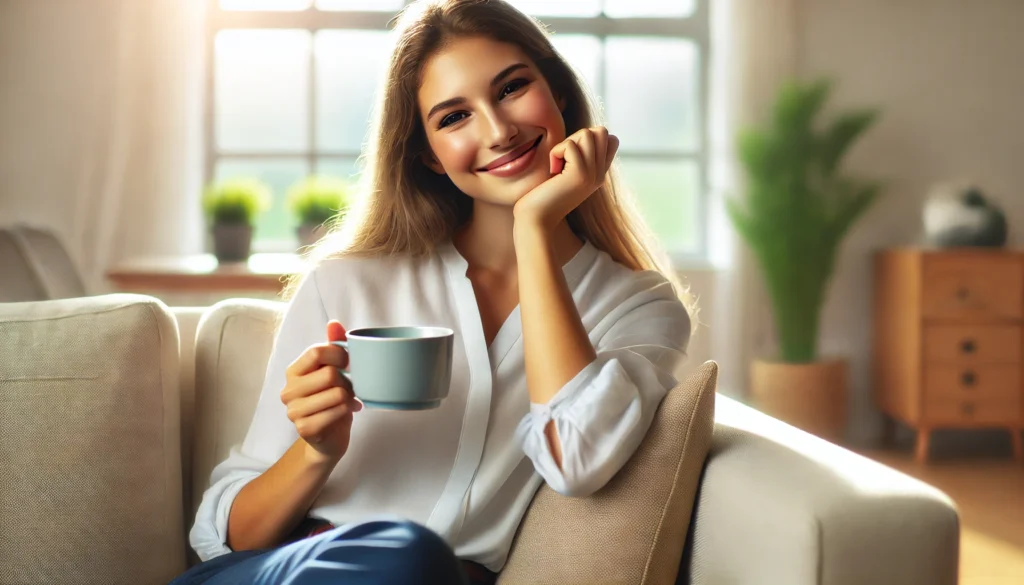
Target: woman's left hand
x=579, y=165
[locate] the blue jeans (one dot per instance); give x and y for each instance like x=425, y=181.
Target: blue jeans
x=377, y=552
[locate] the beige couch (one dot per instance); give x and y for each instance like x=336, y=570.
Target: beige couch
x=140, y=420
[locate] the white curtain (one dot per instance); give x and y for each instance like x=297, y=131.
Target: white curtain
x=140, y=175
x=755, y=47
x=103, y=119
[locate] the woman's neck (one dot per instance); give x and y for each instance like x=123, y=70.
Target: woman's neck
x=486, y=240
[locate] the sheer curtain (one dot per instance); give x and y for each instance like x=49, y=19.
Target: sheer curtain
x=140, y=168
x=101, y=110
x=754, y=49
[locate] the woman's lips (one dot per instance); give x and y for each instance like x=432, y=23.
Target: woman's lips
x=517, y=164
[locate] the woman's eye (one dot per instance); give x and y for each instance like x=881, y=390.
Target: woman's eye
x=451, y=119
x=513, y=86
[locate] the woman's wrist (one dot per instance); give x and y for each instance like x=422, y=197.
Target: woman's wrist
x=317, y=459
x=529, y=231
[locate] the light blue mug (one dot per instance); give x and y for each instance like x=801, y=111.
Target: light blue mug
x=400, y=368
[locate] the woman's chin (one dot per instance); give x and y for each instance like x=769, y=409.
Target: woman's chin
x=508, y=193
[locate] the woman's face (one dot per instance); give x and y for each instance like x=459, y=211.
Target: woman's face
x=490, y=119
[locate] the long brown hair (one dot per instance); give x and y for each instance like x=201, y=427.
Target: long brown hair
x=405, y=208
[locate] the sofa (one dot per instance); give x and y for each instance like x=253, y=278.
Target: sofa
x=101, y=486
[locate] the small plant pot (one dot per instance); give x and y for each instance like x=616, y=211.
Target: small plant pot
x=810, y=396
x=310, y=233
x=232, y=242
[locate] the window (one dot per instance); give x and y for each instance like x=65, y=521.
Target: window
x=287, y=98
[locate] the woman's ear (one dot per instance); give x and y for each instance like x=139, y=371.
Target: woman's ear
x=561, y=102
x=432, y=163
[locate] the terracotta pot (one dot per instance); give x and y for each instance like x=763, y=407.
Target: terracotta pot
x=232, y=242
x=310, y=234
x=810, y=396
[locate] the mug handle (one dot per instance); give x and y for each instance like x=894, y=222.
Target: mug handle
x=346, y=373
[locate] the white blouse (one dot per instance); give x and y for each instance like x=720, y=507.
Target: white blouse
x=469, y=468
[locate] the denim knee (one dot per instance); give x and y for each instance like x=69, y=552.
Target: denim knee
x=389, y=551
x=427, y=558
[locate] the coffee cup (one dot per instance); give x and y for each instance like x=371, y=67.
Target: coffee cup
x=399, y=368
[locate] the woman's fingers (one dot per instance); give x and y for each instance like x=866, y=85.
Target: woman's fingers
x=588, y=152
x=323, y=400
x=557, y=158
x=316, y=356
x=312, y=427
x=316, y=381
x=574, y=161
x=600, y=151
x=596, y=150
x=613, y=149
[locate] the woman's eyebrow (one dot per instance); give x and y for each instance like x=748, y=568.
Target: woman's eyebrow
x=460, y=100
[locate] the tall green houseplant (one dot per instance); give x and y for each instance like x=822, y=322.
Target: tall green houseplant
x=798, y=206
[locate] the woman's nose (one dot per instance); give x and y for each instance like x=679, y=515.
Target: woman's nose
x=502, y=131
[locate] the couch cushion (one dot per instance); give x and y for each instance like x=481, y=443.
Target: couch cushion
x=90, y=468
x=233, y=345
x=633, y=530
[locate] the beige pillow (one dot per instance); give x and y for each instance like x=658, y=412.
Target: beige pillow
x=633, y=530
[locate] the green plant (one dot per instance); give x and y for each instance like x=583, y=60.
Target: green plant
x=798, y=206
x=236, y=200
x=316, y=199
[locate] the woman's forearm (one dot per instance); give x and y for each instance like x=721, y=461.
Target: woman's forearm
x=555, y=343
x=269, y=507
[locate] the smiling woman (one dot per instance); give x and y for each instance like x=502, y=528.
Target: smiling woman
x=489, y=206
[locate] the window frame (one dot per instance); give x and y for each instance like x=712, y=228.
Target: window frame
x=695, y=28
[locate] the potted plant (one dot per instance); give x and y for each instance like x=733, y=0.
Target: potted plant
x=797, y=209
x=314, y=201
x=232, y=206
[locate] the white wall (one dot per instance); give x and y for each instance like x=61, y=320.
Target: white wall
x=47, y=57
x=949, y=75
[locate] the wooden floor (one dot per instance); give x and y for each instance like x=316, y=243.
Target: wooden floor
x=989, y=493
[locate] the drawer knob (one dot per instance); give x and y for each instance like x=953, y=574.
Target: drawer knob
x=967, y=408
x=962, y=293
x=968, y=346
x=968, y=378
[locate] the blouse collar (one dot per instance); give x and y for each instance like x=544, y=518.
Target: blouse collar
x=573, y=270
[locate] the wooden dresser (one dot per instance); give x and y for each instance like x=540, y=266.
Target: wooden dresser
x=949, y=340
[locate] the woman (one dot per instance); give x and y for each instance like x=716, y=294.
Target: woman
x=489, y=207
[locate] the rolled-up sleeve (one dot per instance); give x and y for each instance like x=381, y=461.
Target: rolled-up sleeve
x=270, y=433
x=603, y=413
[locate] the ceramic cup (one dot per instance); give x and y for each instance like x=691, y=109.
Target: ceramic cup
x=399, y=368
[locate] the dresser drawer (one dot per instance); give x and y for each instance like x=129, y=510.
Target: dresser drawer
x=998, y=383
x=970, y=411
x=972, y=344
x=972, y=286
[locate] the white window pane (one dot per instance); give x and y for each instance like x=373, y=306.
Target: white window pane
x=651, y=96
x=648, y=8
x=583, y=52
x=261, y=87
x=667, y=194
x=349, y=65
x=558, y=7
x=265, y=4
x=364, y=5
x=347, y=169
x=275, y=229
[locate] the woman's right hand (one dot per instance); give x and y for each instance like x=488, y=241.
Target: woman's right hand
x=319, y=399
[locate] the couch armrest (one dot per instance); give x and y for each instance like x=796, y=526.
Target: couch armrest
x=778, y=505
